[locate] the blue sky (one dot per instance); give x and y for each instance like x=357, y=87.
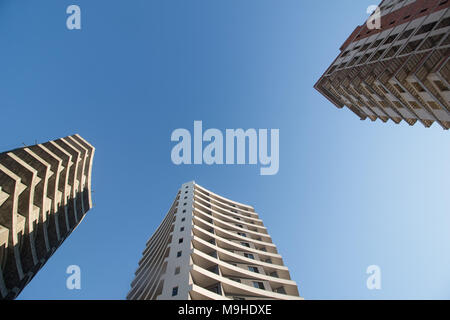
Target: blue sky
x=349, y=193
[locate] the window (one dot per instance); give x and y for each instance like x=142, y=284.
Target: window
x=364, y=47
x=390, y=39
x=183, y=219
x=242, y=234
x=185, y=192
x=214, y=269
x=426, y=28
x=391, y=52
x=441, y=85
x=253, y=269
x=174, y=291
x=177, y=270
x=180, y=240
x=245, y=244
x=406, y=34
x=444, y=23
x=178, y=254
x=280, y=290
x=434, y=105
x=184, y=211
x=274, y=274
x=377, y=55
x=258, y=285
x=249, y=255
x=377, y=43
x=184, y=203
x=411, y=46
x=181, y=229
x=215, y=289
x=418, y=87
x=414, y=104
x=185, y=197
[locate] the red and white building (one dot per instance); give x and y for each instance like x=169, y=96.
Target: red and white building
x=400, y=71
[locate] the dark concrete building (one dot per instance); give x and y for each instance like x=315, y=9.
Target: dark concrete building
x=45, y=191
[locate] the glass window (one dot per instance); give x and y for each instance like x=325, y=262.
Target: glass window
x=258, y=285
x=253, y=269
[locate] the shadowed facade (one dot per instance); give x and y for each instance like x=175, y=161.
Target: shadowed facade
x=400, y=72
x=45, y=191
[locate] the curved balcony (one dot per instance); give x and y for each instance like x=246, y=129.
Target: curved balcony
x=232, y=226
x=230, y=218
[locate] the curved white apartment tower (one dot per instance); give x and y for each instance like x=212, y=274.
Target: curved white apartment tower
x=209, y=247
x=45, y=191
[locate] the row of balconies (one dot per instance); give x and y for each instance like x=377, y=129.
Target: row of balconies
x=389, y=46
x=250, y=277
x=223, y=203
x=251, y=224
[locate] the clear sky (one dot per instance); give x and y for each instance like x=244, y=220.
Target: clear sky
x=348, y=194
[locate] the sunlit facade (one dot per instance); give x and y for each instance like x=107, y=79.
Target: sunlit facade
x=211, y=248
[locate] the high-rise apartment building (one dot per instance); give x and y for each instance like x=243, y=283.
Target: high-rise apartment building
x=45, y=191
x=400, y=71
x=211, y=248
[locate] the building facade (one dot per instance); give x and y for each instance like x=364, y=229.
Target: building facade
x=400, y=71
x=45, y=191
x=211, y=248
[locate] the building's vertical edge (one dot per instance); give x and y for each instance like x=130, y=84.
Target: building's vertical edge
x=89, y=163
x=149, y=280
x=176, y=286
